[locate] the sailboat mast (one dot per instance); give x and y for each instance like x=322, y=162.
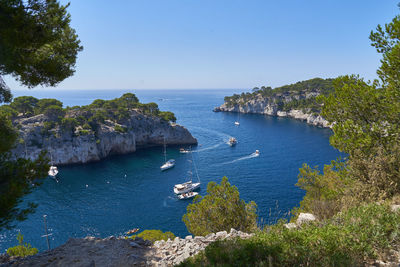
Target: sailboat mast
x=195, y=168
x=165, y=151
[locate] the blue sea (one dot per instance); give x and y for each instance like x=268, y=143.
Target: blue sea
x=129, y=191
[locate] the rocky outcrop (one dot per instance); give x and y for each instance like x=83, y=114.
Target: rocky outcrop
x=78, y=145
x=273, y=106
x=112, y=251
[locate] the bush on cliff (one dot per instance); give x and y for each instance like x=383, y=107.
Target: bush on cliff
x=361, y=234
x=154, y=235
x=221, y=209
x=23, y=249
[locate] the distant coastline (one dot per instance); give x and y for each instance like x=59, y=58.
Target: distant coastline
x=296, y=101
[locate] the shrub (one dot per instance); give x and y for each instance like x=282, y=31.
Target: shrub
x=362, y=233
x=120, y=129
x=222, y=209
x=23, y=249
x=167, y=116
x=68, y=124
x=154, y=235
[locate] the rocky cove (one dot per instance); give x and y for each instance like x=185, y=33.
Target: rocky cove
x=77, y=146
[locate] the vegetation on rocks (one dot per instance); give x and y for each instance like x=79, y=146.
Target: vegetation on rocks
x=154, y=235
x=22, y=249
x=287, y=97
x=347, y=239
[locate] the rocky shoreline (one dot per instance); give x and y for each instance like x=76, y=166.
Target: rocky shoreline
x=67, y=146
x=271, y=109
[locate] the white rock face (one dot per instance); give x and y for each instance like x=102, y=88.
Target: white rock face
x=269, y=106
x=305, y=218
x=67, y=147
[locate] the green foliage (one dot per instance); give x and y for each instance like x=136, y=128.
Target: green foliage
x=321, y=86
x=221, y=209
x=68, y=124
x=38, y=46
x=167, y=116
x=16, y=179
x=8, y=112
x=8, y=135
x=23, y=249
x=44, y=104
x=120, y=129
x=154, y=235
x=24, y=104
x=325, y=192
x=349, y=239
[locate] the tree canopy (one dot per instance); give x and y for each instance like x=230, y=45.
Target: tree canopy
x=221, y=209
x=37, y=47
x=37, y=44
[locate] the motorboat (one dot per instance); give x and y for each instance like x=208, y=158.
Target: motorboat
x=232, y=141
x=53, y=171
x=186, y=187
x=257, y=152
x=187, y=195
x=182, y=150
x=168, y=165
x=237, y=123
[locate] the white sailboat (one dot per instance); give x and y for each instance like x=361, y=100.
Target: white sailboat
x=53, y=171
x=237, y=123
x=188, y=186
x=168, y=163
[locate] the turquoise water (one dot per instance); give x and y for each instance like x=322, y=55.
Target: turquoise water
x=123, y=192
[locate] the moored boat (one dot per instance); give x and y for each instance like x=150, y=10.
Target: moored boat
x=168, y=163
x=187, y=195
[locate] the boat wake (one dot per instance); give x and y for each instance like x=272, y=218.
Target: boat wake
x=252, y=155
x=224, y=139
x=207, y=148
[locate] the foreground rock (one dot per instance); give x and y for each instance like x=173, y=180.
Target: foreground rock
x=114, y=251
x=82, y=146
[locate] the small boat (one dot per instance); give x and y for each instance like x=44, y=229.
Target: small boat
x=187, y=195
x=237, y=123
x=257, y=152
x=182, y=150
x=53, y=171
x=232, y=141
x=188, y=186
x=131, y=232
x=168, y=164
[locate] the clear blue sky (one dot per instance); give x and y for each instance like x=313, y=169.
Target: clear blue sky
x=221, y=43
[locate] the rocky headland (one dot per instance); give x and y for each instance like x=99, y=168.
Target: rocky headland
x=296, y=101
x=91, y=133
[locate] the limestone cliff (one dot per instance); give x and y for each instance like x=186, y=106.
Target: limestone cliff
x=77, y=145
x=296, y=101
